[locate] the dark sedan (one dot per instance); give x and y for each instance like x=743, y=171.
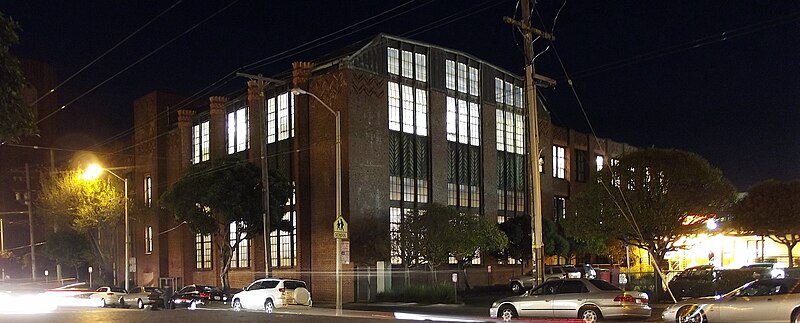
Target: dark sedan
x=193, y=295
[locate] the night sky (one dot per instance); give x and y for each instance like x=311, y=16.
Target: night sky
x=719, y=78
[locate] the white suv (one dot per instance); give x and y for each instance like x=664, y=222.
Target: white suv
x=268, y=293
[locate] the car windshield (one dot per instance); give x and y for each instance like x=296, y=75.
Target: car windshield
x=153, y=290
x=603, y=285
x=570, y=269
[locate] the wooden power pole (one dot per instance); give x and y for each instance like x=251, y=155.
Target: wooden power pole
x=534, y=188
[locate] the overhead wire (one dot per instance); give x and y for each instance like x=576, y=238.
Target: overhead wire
x=105, y=53
x=138, y=61
x=460, y=15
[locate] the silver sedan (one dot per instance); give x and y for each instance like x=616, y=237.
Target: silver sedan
x=768, y=300
x=587, y=299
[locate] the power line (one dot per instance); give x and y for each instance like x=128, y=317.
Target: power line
x=104, y=54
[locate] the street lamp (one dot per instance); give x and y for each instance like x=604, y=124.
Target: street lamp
x=92, y=172
x=299, y=91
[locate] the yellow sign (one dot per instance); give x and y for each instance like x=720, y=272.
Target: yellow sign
x=340, y=228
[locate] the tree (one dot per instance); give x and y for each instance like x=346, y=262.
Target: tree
x=16, y=118
x=92, y=208
x=518, y=232
x=652, y=196
x=771, y=208
x=216, y=194
x=68, y=248
x=477, y=236
x=555, y=243
x=432, y=235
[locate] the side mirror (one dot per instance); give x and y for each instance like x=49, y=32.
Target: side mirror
x=245, y=288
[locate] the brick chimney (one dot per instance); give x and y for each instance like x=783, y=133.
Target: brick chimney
x=217, y=126
x=185, y=132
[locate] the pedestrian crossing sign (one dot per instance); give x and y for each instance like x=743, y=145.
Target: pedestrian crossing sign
x=340, y=228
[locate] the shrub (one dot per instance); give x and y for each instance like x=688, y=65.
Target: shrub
x=425, y=294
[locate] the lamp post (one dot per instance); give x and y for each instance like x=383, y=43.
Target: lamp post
x=93, y=171
x=299, y=91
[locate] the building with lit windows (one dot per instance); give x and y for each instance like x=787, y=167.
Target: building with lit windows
x=419, y=124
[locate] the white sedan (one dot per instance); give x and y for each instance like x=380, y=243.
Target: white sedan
x=768, y=300
x=109, y=295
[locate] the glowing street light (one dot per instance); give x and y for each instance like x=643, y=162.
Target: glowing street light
x=299, y=91
x=92, y=172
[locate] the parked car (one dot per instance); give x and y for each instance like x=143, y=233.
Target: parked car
x=768, y=300
x=197, y=295
x=144, y=296
x=708, y=280
x=766, y=270
x=109, y=295
x=587, y=271
x=268, y=293
x=521, y=283
x=586, y=299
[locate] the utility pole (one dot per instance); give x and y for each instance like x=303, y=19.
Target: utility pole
x=535, y=189
x=262, y=83
x=29, y=202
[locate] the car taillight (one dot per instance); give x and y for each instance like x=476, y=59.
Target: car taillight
x=110, y=294
x=203, y=295
x=281, y=290
x=630, y=299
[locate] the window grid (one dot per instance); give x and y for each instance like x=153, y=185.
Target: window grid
x=581, y=167
x=560, y=208
x=559, y=162
x=238, y=131
x=241, y=254
x=408, y=109
x=202, y=251
x=280, y=117
x=148, y=191
x=200, y=142
x=148, y=240
x=283, y=244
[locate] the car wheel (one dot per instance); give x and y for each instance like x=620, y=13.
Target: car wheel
x=269, y=307
x=121, y=302
x=103, y=302
x=507, y=313
x=516, y=288
x=796, y=317
x=691, y=314
x=589, y=314
x=237, y=305
x=140, y=304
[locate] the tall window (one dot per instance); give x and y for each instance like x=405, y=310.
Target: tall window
x=560, y=208
x=280, y=117
x=559, y=162
x=148, y=240
x=510, y=135
x=148, y=191
x=202, y=248
x=408, y=125
x=581, y=167
x=463, y=135
x=598, y=161
x=200, y=142
x=283, y=244
x=238, y=129
x=241, y=254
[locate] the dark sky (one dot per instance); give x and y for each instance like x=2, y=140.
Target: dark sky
x=719, y=78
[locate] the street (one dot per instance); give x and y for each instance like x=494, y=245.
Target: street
x=222, y=313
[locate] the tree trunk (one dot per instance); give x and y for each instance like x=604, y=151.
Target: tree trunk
x=789, y=248
x=225, y=257
x=466, y=278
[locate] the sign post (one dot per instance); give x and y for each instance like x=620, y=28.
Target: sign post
x=340, y=232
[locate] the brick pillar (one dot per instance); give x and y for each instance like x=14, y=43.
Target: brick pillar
x=255, y=100
x=301, y=71
x=217, y=126
x=185, y=132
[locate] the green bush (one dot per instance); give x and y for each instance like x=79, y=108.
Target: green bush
x=425, y=294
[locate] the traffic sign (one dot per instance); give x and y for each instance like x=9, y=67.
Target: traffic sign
x=340, y=228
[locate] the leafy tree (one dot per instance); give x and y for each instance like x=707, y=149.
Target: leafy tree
x=68, y=248
x=92, y=208
x=555, y=243
x=214, y=194
x=16, y=118
x=771, y=208
x=477, y=236
x=518, y=231
x=432, y=235
x=654, y=197
x=369, y=241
